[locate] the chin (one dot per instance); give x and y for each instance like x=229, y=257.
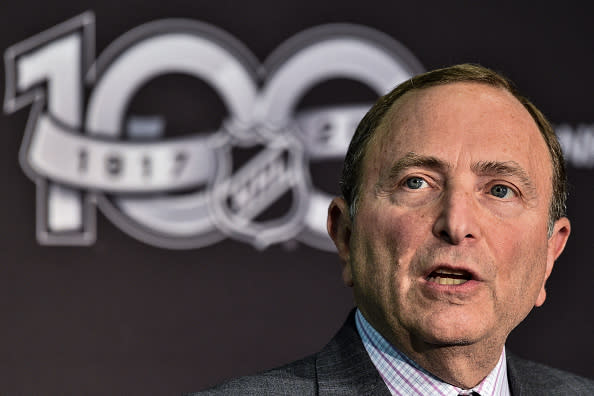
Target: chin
x=452, y=334
x=451, y=342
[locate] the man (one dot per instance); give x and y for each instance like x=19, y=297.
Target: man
x=451, y=218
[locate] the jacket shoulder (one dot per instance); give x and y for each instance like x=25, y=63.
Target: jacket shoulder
x=342, y=367
x=531, y=378
x=296, y=378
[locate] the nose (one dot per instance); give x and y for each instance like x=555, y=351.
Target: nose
x=458, y=218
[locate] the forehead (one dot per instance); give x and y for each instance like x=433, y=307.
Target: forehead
x=460, y=122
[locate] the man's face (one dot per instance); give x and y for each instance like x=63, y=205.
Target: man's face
x=449, y=244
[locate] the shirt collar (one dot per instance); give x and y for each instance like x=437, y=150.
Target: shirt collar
x=404, y=377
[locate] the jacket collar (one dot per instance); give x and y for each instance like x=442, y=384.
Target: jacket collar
x=344, y=367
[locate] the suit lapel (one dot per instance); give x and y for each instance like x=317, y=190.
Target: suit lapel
x=515, y=385
x=343, y=367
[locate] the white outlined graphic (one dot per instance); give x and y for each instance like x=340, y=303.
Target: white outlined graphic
x=73, y=147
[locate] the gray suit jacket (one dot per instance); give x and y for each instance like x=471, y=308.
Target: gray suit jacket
x=343, y=367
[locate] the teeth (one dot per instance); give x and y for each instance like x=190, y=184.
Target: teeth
x=447, y=281
x=450, y=272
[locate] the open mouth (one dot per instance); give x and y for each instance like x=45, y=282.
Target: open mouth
x=449, y=277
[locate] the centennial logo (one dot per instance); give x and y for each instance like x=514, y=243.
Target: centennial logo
x=189, y=191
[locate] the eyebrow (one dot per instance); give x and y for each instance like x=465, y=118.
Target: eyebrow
x=481, y=168
x=412, y=159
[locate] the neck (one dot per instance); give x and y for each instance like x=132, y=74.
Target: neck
x=464, y=366
x=461, y=365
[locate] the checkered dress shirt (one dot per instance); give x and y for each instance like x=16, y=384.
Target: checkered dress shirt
x=404, y=377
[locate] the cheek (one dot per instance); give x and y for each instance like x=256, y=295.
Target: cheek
x=398, y=231
x=388, y=239
x=385, y=242
x=522, y=264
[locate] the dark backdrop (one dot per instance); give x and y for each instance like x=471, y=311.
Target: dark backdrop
x=123, y=317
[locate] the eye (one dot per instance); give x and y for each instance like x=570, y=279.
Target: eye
x=415, y=183
x=501, y=191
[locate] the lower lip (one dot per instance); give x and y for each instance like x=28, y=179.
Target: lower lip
x=467, y=288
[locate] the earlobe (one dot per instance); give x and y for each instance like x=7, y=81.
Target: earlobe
x=339, y=229
x=556, y=244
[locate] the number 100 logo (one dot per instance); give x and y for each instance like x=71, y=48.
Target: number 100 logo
x=186, y=192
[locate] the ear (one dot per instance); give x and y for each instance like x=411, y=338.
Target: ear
x=556, y=244
x=339, y=228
